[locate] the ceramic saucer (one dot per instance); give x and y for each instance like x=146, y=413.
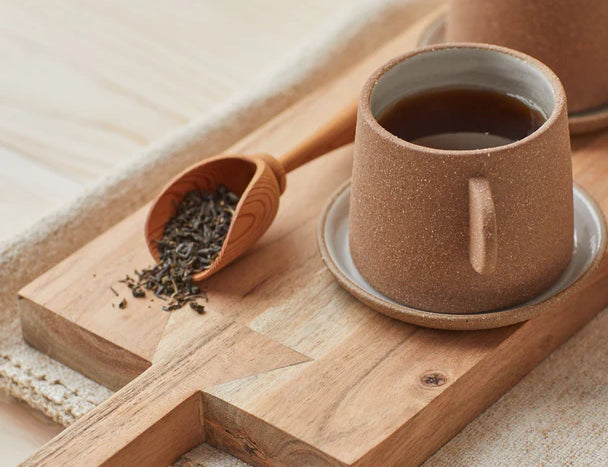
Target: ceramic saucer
x=579, y=122
x=589, y=245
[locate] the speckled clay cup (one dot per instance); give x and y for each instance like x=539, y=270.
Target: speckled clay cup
x=570, y=36
x=459, y=231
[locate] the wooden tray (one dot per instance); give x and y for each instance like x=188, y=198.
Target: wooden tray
x=285, y=368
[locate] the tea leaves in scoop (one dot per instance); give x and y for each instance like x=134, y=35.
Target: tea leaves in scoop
x=191, y=242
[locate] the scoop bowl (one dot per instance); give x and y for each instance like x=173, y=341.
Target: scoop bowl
x=257, y=180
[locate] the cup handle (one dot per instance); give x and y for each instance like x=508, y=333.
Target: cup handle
x=482, y=226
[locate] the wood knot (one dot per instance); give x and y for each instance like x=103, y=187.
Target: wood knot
x=433, y=379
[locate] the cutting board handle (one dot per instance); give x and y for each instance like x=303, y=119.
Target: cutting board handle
x=159, y=415
x=151, y=421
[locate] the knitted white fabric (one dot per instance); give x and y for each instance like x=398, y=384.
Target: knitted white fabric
x=554, y=416
x=64, y=394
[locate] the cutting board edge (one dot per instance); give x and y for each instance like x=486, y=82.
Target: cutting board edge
x=579, y=310
x=48, y=331
x=233, y=430
x=495, y=392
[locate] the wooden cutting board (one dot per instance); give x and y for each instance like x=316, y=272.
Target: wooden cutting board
x=285, y=368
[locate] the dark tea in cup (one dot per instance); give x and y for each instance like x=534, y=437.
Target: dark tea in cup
x=462, y=118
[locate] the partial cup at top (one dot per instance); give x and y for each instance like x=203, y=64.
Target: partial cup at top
x=569, y=36
x=453, y=230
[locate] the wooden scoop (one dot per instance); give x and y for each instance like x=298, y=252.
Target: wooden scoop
x=258, y=180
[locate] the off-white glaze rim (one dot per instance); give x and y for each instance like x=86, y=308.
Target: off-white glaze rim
x=463, y=64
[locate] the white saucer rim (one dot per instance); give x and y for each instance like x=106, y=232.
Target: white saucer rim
x=465, y=321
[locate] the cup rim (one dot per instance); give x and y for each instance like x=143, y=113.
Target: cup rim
x=554, y=82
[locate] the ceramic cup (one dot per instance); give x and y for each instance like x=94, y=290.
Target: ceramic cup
x=462, y=231
x=569, y=36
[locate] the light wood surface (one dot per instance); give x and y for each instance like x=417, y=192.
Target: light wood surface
x=85, y=84
x=158, y=416
x=334, y=134
x=367, y=390
x=23, y=431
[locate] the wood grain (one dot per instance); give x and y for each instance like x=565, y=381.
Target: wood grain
x=334, y=134
x=258, y=181
x=28, y=190
x=62, y=125
x=158, y=416
x=251, y=178
x=86, y=85
x=369, y=391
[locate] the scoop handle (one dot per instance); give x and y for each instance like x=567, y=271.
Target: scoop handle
x=483, y=248
x=338, y=132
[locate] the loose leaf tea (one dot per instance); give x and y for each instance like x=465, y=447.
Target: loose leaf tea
x=461, y=118
x=191, y=241
x=200, y=309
